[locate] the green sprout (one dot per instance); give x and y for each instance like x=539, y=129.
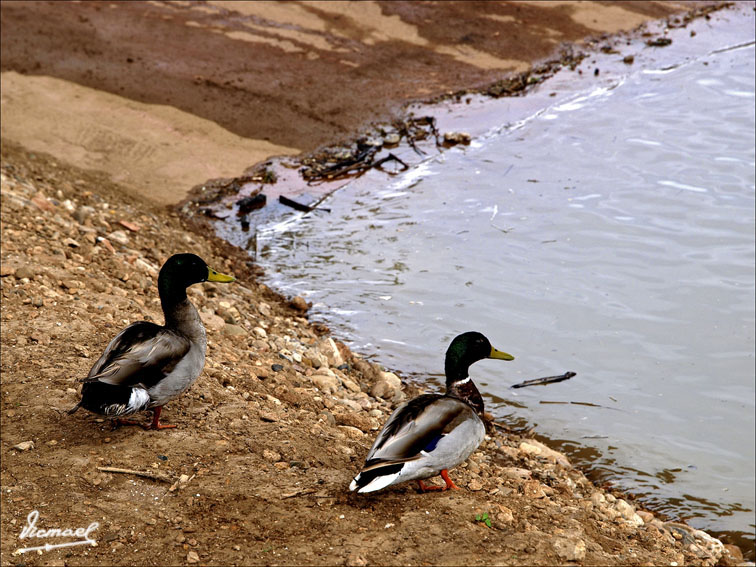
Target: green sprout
x=483, y=518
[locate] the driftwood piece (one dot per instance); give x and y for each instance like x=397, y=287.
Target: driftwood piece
x=146, y=474
x=299, y=206
x=544, y=381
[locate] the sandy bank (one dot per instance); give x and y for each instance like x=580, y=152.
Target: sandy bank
x=230, y=84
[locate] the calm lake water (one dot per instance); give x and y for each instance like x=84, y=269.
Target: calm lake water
x=611, y=234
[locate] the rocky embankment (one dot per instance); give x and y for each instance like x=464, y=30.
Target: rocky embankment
x=269, y=436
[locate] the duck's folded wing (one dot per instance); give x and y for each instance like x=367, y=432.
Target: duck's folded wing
x=417, y=427
x=143, y=353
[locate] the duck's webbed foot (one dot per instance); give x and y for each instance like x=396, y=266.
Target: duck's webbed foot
x=432, y=487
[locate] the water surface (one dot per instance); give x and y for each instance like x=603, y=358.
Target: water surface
x=611, y=234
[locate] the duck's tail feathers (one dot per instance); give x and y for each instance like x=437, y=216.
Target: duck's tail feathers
x=376, y=477
x=113, y=400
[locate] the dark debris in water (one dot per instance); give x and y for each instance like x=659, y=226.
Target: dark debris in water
x=659, y=42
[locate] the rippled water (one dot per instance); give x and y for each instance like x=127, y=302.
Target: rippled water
x=611, y=234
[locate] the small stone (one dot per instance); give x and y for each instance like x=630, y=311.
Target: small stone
x=328, y=347
x=628, y=59
x=269, y=417
x=475, y=485
x=505, y=515
x=234, y=330
x=517, y=473
x=349, y=385
x=129, y=225
x=41, y=201
x=25, y=272
x=71, y=242
x=271, y=456
x=598, y=499
x=535, y=448
x=24, y=446
x=733, y=553
x=119, y=237
x=454, y=138
x=569, y=549
x=326, y=384
x=299, y=303
x=351, y=404
x=83, y=213
x=533, y=489
x=212, y=321
x=391, y=139
x=351, y=432
x=276, y=367
x=260, y=332
x=354, y=559
x=6, y=270
x=645, y=516
x=192, y=557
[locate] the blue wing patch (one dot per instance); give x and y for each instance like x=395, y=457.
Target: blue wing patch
x=432, y=445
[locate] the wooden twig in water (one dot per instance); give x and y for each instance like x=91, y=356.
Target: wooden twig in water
x=544, y=381
x=154, y=476
x=298, y=206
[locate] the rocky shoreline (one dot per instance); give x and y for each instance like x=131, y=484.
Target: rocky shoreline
x=269, y=436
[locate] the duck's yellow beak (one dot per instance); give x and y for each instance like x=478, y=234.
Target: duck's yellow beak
x=500, y=355
x=213, y=276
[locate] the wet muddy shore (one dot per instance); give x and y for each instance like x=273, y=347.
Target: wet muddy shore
x=283, y=414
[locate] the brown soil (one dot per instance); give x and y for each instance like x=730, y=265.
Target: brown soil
x=268, y=443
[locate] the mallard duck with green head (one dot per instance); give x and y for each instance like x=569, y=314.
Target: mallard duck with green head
x=432, y=433
x=147, y=365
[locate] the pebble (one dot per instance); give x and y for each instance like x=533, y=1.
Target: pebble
x=24, y=446
x=234, y=330
x=505, y=515
x=119, y=237
x=598, y=498
x=299, y=303
x=271, y=456
x=535, y=448
x=475, y=485
x=212, y=321
x=453, y=138
x=324, y=383
x=533, y=489
x=24, y=272
x=260, y=332
x=192, y=557
x=328, y=347
x=569, y=549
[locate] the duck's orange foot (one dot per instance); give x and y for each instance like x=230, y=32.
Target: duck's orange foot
x=154, y=424
x=432, y=487
x=156, y=421
x=448, y=481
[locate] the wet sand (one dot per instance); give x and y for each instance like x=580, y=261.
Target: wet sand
x=163, y=96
